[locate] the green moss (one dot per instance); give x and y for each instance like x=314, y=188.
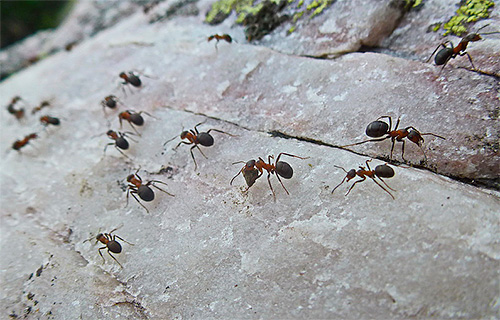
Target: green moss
x=470, y=11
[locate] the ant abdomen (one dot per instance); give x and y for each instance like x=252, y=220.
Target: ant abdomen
x=284, y=170
x=114, y=247
x=205, y=139
x=145, y=193
x=122, y=143
x=384, y=171
x=377, y=129
x=137, y=119
x=443, y=56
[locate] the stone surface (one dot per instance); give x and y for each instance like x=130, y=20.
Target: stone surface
x=216, y=251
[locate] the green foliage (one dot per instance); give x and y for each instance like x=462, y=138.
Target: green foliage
x=470, y=11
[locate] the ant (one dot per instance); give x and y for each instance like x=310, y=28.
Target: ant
x=130, y=78
x=378, y=128
x=40, y=107
x=197, y=138
x=120, y=141
x=280, y=168
x=133, y=118
x=447, y=53
x=109, y=102
x=381, y=171
x=143, y=190
x=18, y=113
x=46, y=120
x=21, y=143
x=110, y=243
x=217, y=37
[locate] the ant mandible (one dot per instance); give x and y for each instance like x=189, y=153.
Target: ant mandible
x=143, y=190
x=381, y=171
x=111, y=244
x=197, y=138
x=378, y=128
x=217, y=37
x=120, y=141
x=46, y=120
x=18, y=113
x=21, y=143
x=447, y=53
x=133, y=118
x=280, y=168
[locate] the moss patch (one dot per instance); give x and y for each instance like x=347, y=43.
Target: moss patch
x=469, y=11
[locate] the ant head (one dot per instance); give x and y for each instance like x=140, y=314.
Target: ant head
x=32, y=136
x=351, y=174
x=184, y=134
x=472, y=37
x=384, y=171
x=377, y=129
x=130, y=177
x=205, y=139
x=123, y=75
x=99, y=237
x=112, y=134
x=250, y=165
x=415, y=137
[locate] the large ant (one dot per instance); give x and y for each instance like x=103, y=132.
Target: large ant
x=21, y=143
x=109, y=102
x=381, y=171
x=197, y=138
x=217, y=37
x=42, y=105
x=46, y=120
x=111, y=244
x=143, y=190
x=133, y=118
x=379, y=128
x=280, y=168
x=18, y=113
x=120, y=141
x=447, y=53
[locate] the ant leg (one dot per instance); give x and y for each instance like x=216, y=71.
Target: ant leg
x=122, y=153
x=402, y=150
x=362, y=179
x=132, y=193
x=111, y=143
x=123, y=240
x=161, y=188
x=200, y=151
x=277, y=176
x=192, y=156
x=182, y=142
x=441, y=44
x=386, y=184
x=270, y=186
x=384, y=189
x=371, y=140
x=290, y=155
x=196, y=127
x=220, y=131
x=115, y=259
x=134, y=129
x=103, y=261
x=397, y=124
x=392, y=147
x=470, y=59
x=423, y=152
x=368, y=165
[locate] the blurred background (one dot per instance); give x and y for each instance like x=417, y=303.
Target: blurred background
x=19, y=19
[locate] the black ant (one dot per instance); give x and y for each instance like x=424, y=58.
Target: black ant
x=143, y=190
x=18, y=113
x=379, y=128
x=120, y=141
x=217, y=37
x=110, y=243
x=280, y=168
x=109, y=102
x=447, y=53
x=133, y=118
x=21, y=143
x=197, y=138
x=381, y=171
x=47, y=120
x=42, y=105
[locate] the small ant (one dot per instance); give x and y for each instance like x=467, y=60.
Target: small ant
x=120, y=141
x=197, y=138
x=110, y=243
x=381, y=171
x=42, y=105
x=109, y=102
x=131, y=79
x=447, y=53
x=46, y=120
x=133, y=118
x=280, y=168
x=217, y=37
x=378, y=128
x=143, y=190
x=18, y=113
x=21, y=143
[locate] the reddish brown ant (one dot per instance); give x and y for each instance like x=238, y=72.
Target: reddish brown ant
x=18, y=113
x=120, y=141
x=280, y=168
x=197, y=138
x=109, y=102
x=143, y=190
x=111, y=244
x=378, y=128
x=46, y=120
x=447, y=53
x=21, y=143
x=381, y=171
x=133, y=118
x=217, y=37
x=42, y=105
